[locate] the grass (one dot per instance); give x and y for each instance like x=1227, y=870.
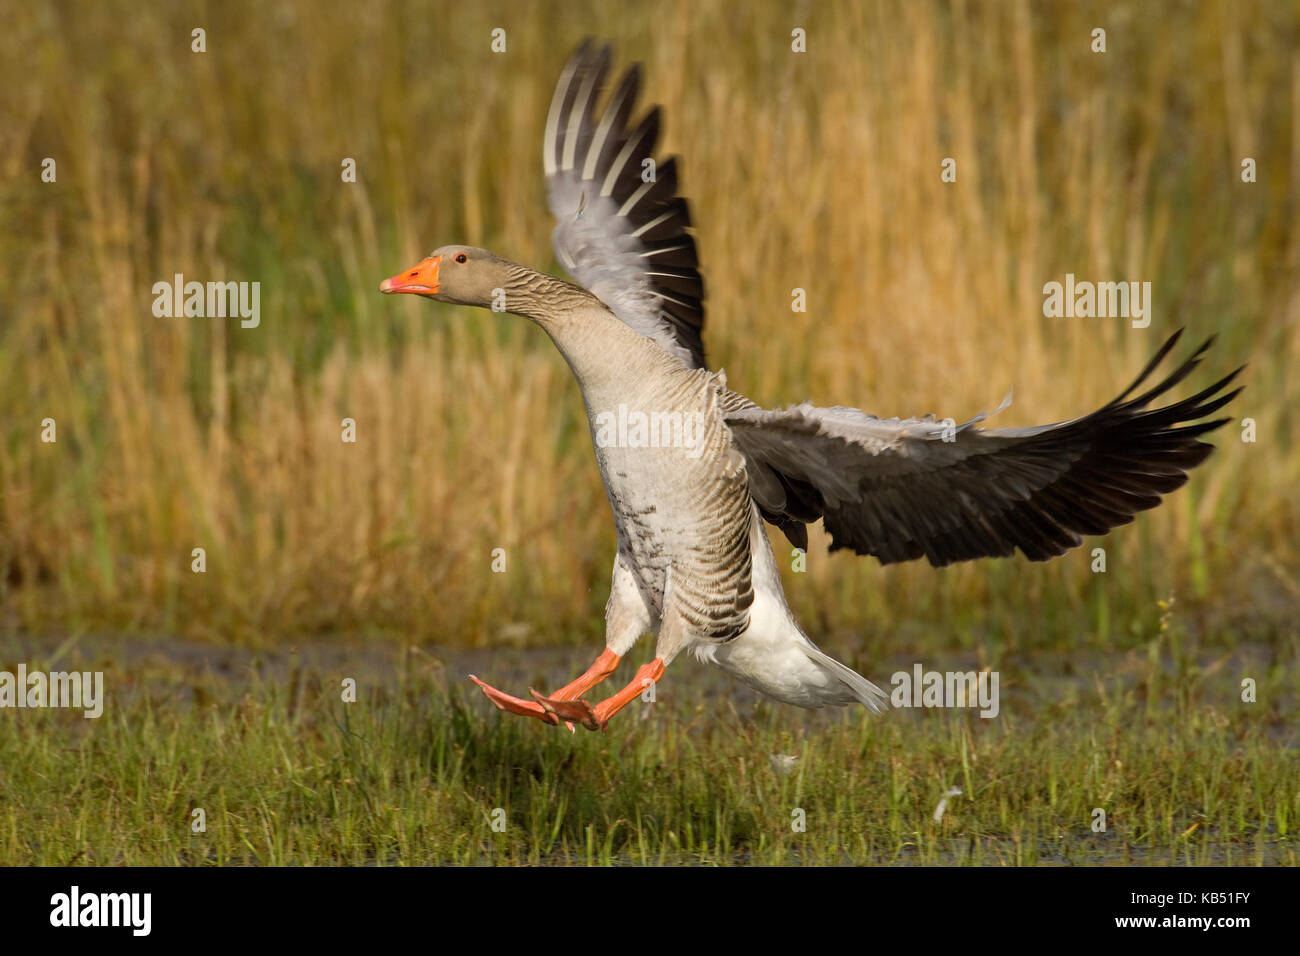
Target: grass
x=818, y=171
x=419, y=767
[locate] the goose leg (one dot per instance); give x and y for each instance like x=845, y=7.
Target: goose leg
x=607, y=708
x=602, y=667
x=562, y=705
x=627, y=617
x=565, y=702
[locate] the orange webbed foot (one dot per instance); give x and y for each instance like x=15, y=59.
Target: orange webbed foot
x=571, y=710
x=515, y=705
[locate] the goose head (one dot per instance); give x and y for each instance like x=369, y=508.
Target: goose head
x=461, y=275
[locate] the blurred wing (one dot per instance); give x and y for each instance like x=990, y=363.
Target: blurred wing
x=903, y=488
x=622, y=238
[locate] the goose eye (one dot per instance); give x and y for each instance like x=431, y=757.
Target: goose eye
x=461, y=257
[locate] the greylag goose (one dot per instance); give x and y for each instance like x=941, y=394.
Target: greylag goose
x=690, y=490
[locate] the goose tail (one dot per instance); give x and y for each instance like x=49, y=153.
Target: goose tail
x=857, y=687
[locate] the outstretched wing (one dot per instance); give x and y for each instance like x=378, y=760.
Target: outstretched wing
x=902, y=488
x=621, y=228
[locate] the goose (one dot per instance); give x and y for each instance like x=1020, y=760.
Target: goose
x=691, y=493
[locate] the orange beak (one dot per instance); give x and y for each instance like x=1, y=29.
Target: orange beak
x=422, y=279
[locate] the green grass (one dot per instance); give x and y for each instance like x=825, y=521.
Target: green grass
x=414, y=771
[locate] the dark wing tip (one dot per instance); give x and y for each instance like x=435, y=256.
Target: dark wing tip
x=596, y=148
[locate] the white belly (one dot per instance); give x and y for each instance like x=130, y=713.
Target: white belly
x=775, y=657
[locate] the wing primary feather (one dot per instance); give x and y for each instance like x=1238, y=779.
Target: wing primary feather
x=988, y=493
